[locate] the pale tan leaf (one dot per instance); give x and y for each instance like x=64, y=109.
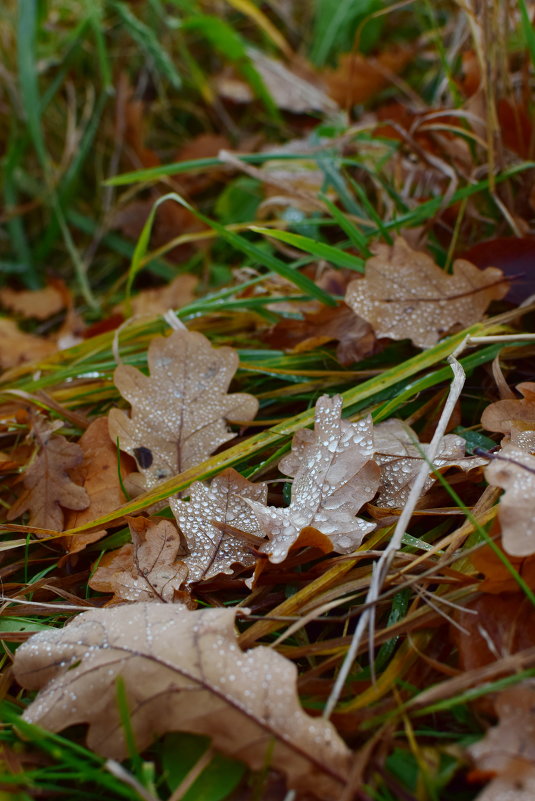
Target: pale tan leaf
x=112, y=562
x=514, y=471
x=211, y=550
x=508, y=749
x=400, y=454
x=17, y=347
x=39, y=303
x=155, y=572
x=182, y=671
x=334, y=476
x=98, y=474
x=48, y=486
x=405, y=295
x=179, y=413
x=514, y=417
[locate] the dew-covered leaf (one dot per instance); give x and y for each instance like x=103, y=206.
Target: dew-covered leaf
x=400, y=454
x=149, y=570
x=179, y=413
x=182, y=671
x=405, y=295
x=514, y=471
x=213, y=550
x=334, y=476
x=49, y=488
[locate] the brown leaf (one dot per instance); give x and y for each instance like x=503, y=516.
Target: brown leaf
x=513, y=416
x=400, y=454
x=39, y=304
x=211, y=551
x=497, y=578
x=405, y=295
x=154, y=573
x=112, y=562
x=497, y=629
x=514, y=471
x=179, y=413
x=354, y=335
x=514, y=256
x=334, y=476
x=154, y=301
x=358, y=78
x=508, y=749
x=17, y=347
x=48, y=484
x=98, y=474
x=182, y=671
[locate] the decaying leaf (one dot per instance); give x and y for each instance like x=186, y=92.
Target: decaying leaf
x=182, y=671
x=211, y=549
x=334, y=476
x=355, y=336
x=400, y=455
x=179, y=292
x=155, y=572
x=515, y=418
x=39, y=304
x=508, y=749
x=514, y=471
x=497, y=578
x=17, y=347
x=98, y=474
x=179, y=413
x=405, y=295
x=48, y=486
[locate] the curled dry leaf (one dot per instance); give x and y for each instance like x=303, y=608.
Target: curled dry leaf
x=99, y=476
x=515, y=418
x=213, y=550
x=514, y=471
x=17, y=347
x=39, y=304
x=400, y=455
x=508, y=749
x=48, y=486
x=155, y=572
x=355, y=337
x=334, y=476
x=179, y=413
x=182, y=671
x=405, y=295
x=358, y=79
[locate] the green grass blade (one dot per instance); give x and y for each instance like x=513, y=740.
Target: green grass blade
x=319, y=249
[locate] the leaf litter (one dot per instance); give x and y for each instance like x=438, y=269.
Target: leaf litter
x=303, y=528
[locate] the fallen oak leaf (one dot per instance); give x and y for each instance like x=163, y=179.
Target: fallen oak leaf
x=513, y=469
x=211, y=549
x=179, y=292
x=405, y=295
x=155, y=572
x=48, y=486
x=17, y=347
x=38, y=303
x=400, y=454
x=354, y=335
x=182, y=671
x=99, y=475
x=179, y=413
x=334, y=476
